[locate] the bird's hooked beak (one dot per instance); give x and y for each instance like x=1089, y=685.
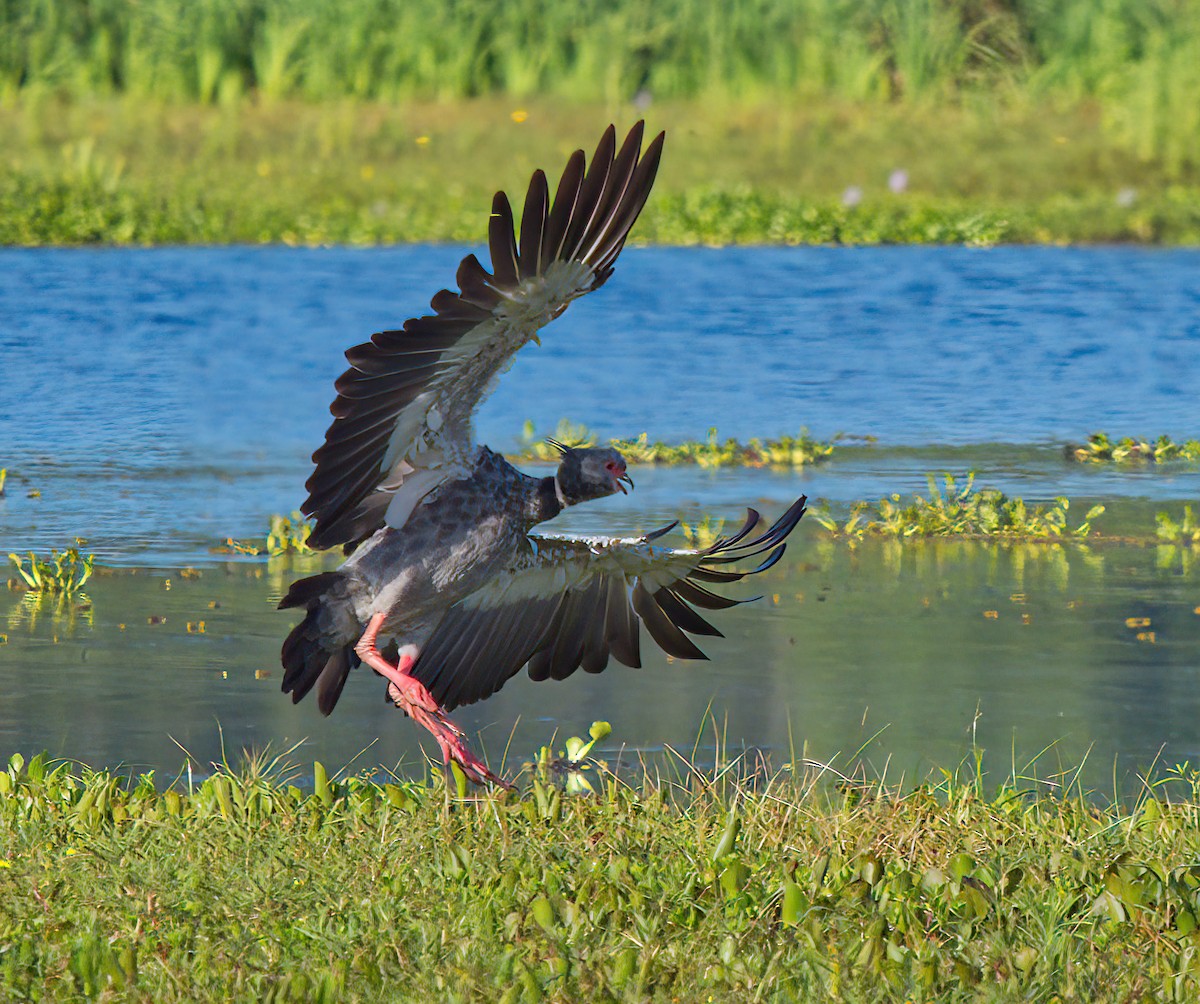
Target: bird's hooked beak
x=626, y=478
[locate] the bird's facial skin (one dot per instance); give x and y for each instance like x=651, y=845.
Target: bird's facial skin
x=592, y=472
x=616, y=470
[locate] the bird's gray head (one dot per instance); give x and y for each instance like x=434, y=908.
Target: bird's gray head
x=590, y=472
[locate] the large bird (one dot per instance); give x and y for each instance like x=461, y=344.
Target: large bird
x=443, y=574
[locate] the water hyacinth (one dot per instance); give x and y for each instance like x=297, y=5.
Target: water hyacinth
x=786, y=451
x=286, y=535
x=959, y=512
x=1100, y=448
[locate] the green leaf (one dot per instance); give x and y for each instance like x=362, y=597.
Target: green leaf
x=795, y=904
x=321, y=784
x=733, y=826
x=543, y=913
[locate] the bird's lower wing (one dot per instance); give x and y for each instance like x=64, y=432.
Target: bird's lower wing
x=577, y=602
x=406, y=401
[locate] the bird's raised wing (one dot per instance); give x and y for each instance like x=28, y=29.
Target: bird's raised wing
x=403, y=408
x=571, y=603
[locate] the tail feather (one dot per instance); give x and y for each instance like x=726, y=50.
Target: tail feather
x=312, y=656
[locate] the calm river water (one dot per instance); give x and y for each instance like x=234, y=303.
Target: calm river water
x=158, y=401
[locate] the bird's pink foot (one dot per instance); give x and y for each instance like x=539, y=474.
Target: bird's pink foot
x=454, y=747
x=411, y=695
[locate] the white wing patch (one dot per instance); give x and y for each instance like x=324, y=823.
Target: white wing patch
x=436, y=427
x=556, y=564
x=414, y=488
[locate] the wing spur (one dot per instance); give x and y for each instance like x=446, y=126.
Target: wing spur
x=402, y=416
x=575, y=603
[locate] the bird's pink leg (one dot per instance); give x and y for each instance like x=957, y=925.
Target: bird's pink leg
x=411, y=695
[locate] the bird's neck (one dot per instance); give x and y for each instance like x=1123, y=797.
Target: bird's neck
x=545, y=501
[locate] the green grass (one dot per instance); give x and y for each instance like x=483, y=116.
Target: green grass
x=1137, y=60
x=127, y=170
x=731, y=883
x=1100, y=449
x=958, y=512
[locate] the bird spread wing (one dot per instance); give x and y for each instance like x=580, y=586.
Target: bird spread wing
x=402, y=416
x=574, y=602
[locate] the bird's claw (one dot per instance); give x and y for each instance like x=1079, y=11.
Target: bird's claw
x=474, y=768
x=452, y=741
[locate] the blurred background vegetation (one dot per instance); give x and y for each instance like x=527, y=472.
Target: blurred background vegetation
x=792, y=120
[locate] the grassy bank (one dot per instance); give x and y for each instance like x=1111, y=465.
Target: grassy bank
x=1139, y=60
x=130, y=170
x=806, y=885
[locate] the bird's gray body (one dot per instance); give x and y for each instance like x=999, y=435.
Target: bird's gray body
x=458, y=539
x=462, y=535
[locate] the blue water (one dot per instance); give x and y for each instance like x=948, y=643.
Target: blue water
x=160, y=399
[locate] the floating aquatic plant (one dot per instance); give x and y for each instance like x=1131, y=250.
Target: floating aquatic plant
x=535, y=447
x=1100, y=449
x=62, y=575
x=703, y=534
x=957, y=511
x=786, y=451
x=571, y=767
x=287, y=535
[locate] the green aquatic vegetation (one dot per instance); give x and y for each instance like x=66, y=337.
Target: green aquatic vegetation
x=1100, y=449
x=287, y=535
x=535, y=447
x=959, y=512
x=786, y=451
x=1184, y=531
x=810, y=882
x=3, y=478
x=571, y=768
x=704, y=533
x=61, y=576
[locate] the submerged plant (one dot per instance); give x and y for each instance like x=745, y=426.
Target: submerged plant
x=959, y=512
x=1100, y=449
x=786, y=451
x=62, y=575
x=1185, y=531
